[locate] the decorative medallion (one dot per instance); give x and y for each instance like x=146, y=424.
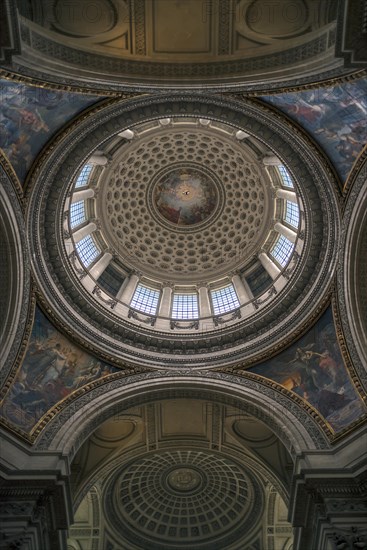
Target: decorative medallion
x=184, y=479
x=185, y=196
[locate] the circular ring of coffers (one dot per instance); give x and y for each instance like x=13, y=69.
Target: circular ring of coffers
x=224, y=504
x=121, y=341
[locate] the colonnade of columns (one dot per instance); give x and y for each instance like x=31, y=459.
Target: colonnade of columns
x=128, y=288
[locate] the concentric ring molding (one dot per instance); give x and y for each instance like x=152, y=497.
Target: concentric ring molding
x=15, y=274
x=239, y=224
x=143, y=508
x=119, y=340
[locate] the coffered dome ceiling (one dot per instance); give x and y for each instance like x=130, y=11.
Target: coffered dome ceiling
x=185, y=199
x=178, y=498
x=185, y=203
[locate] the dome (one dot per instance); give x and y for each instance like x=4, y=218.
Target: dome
x=172, y=499
x=179, y=218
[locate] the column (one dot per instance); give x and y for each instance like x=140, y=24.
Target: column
x=165, y=303
x=204, y=302
x=242, y=292
x=98, y=268
x=127, y=289
x=82, y=195
x=99, y=160
x=84, y=231
x=286, y=232
x=269, y=265
x=271, y=160
x=286, y=195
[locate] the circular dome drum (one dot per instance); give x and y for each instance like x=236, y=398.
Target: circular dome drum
x=187, y=206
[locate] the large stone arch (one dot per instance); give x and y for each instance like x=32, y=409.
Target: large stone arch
x=295, y=427
x=352, y=274
x=14, y=271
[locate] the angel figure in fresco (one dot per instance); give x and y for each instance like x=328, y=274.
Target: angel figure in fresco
x=51, y=366
x=90, y=373
x=311, y=376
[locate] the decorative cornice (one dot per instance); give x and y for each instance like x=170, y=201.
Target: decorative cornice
x=272, y=394
x=310, y=277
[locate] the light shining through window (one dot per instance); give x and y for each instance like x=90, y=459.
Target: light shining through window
x=87, y=250
x=145, y=299
x=185, y=306
x=77, y=213
x=224, y=300
x=291, y=213
x=286, y=177
x=83, y=177
x=282, y=250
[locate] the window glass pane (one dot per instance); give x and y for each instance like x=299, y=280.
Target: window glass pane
x=185, y=306
x=145, y=299
x=225, y=299
x=87, y=250
x=286, y=177
x=77, y=213
x=282, y=250
x=84, y=176
x=291, y=213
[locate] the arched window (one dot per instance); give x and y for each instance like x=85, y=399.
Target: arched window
x=286, y=177
x=291, y=213
x=77, y=213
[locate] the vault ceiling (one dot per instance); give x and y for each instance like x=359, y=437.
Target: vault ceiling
x=213, y=41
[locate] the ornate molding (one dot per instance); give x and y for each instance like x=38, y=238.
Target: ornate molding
x=272, y=394
x=221, y=319
x=16, y=333
x=181, y=325
x=148, y=319
x=287, y=139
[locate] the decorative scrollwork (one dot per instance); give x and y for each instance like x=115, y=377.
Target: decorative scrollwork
x=74, y=258
x=220, y=319
x=149, y=319
x=272, y=291
x=177, y=324
x=109, y=302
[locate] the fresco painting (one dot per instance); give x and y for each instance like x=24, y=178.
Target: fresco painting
x=185, y=197
x=52, y=369
x=29, y=116
x=335, y=117
x=313, y=368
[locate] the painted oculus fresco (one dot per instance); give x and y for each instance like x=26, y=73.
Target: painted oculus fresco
x=313, y=368
x=185, y=197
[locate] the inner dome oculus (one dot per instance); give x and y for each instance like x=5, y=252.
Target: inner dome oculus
x=185, y=196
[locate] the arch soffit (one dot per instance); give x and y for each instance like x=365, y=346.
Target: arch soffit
x=351, y=289
x=16, y=274
x=294, y=426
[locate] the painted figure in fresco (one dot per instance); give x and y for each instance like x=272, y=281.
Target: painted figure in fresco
x=44, y=363
x=311, y=377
